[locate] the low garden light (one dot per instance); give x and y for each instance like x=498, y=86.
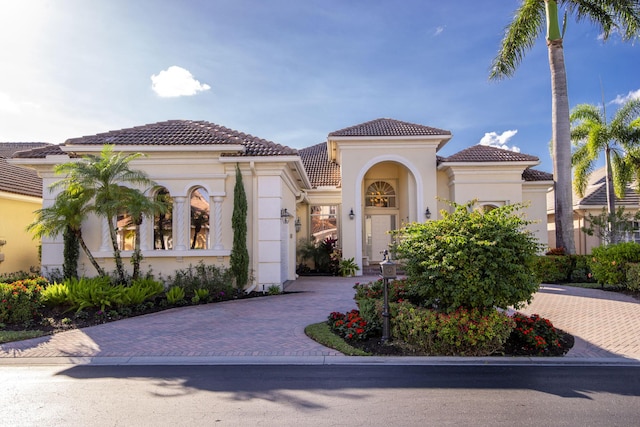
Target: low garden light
x=387, y=272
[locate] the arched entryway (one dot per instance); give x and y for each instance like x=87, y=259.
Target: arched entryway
x=388, y=200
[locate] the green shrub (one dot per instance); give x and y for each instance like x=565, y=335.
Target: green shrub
x=633, y=276
x=348, y=267
x=175, y=295
x=553, y=268
x=609, y=263
x=140, y=291
x=371, y=311
x=218, y=281
x=56, y=295
x=93, y=293
x=464, y=332
x=20, y=301
x=533, y=335
x=274, y=290
x=470, y=258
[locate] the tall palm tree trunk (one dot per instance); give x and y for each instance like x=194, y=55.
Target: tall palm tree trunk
x=136, y=258
x=86, y=250
x=560, y=133
x=116, y=251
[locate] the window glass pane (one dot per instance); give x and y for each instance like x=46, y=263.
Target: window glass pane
x=324, y=222
x=380, y=194
x=199, y=219
x=163, y=223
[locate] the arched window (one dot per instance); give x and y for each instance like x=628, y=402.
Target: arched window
x=163, y=223
x=199, y=222
x=380, y=194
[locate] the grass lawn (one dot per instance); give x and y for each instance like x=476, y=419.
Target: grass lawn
x=8, y=336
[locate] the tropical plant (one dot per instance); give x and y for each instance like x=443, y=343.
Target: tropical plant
x=592, y=135
x=175, y=295
x=470, y=258
x=348, y=267
x=138, y=206
x=239, y=253
x=609, y=16
x=101, y=178
x=65, y=216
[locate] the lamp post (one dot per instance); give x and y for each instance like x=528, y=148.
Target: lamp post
x=387, y=272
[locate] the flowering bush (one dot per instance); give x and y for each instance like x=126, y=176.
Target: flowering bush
x=19, y=301
x=350, y=326
x=464, y=332
x=609, y=264
x=533, y=335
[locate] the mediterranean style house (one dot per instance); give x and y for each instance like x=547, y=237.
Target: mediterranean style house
x=362, y=182
x=20, y=195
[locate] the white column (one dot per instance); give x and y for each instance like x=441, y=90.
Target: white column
x=180, y=224
x=217, y=226
x=144, y=233
x=105, y=245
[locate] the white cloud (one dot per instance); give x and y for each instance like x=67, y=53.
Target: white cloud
x=176, y=81
x=8, y=105
x=634, y=94
x=492, y=139
x=438, y=31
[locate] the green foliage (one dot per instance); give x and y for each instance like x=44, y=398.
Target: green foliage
x=464, y=332
x=609, y=264
x=371, y=311
x=20, y=301
x=200, y=296
x=175, y=295
x=348, y=267
x=533, y=335
x=274, y=290
x=470, y=258
x=56, y=295
x=633, y=277
x=239, y=253
x=552, y=268
x=324, y=254
x=140, y=291
x=216, y=280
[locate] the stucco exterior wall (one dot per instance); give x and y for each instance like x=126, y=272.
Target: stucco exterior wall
x=20, y=252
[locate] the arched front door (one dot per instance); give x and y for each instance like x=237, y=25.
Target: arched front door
x=380, y=217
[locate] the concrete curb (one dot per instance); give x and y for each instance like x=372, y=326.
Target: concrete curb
x=317, y=360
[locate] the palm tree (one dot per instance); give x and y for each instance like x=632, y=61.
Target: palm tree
x=138, y=206
x=621, y=16
x=65, y=217
x=592, y=135
x=101, y=178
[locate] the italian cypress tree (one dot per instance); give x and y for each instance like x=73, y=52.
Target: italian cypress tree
x=239, y=253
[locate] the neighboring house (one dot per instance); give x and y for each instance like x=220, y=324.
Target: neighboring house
x=20, y=196
x=362, y=182
x=593, y=203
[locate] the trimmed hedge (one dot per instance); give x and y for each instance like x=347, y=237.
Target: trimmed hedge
x=563, y=268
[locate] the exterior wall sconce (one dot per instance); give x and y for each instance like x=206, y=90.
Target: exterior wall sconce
x=351, y=214
x=298, y=225
x=285, y=215
x=427, y=213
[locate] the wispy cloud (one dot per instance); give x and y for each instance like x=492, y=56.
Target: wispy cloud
x=438, y=31
x=493, y=139
x=620, y=99
x=176, y=81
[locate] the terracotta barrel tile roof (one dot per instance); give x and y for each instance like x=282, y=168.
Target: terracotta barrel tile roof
x=389, y=127
x=485, y=153
x=15, y=179
x=536, y=175
x=185, y=132
x=320, y=170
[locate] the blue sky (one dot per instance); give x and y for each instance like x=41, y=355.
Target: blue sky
x=290, y=71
